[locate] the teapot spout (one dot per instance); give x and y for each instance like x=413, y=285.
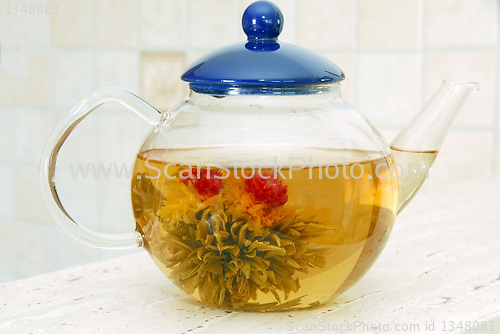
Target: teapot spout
x=416, y=146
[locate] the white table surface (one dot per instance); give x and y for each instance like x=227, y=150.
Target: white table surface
x=441, y=266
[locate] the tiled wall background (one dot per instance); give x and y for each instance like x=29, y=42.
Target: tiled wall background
x=395, y=54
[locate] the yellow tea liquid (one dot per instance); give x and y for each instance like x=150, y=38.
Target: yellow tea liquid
x=276, y=242
x=415, y=170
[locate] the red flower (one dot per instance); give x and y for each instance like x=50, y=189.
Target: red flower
x=267, y=189
x=204, y=181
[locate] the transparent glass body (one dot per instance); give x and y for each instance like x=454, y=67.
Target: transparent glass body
x=265, y=199
x=264, y=202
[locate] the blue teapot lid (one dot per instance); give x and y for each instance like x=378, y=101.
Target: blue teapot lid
x=262, y=64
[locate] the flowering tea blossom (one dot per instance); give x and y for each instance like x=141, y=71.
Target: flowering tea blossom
x=267, y=189
x=204, y=181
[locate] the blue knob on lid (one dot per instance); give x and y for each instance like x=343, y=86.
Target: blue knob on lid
x=262, y=20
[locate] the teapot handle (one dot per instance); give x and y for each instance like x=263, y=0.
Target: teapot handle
x=49, y=160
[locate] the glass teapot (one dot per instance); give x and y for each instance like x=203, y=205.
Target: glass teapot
x=264, y=190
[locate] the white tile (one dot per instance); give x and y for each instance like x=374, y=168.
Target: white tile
x=326, y=24
x=115, y=23
x=24, y=26
x=121, y=135
x=497, y=93
x=389, y=88
x=213, y=23
x=464, y=155
x=346, y=61
x=161, y=85
x=193, y=56
x=24, y=78
x=469, y=66
x=162, y=25
x=8, y=191
x=70, y=253
x=7, y=249
x=117, y=69
x=496, y=155
x=7, y=277
x=8, y=119
x=389, y=24
x=70, y=77
x=8, y=75
x=35, y=248
x=33, y=127
x=116, y=215
x=74, y=23
x=288, y=9
x=30, y=205
x=452, y=23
